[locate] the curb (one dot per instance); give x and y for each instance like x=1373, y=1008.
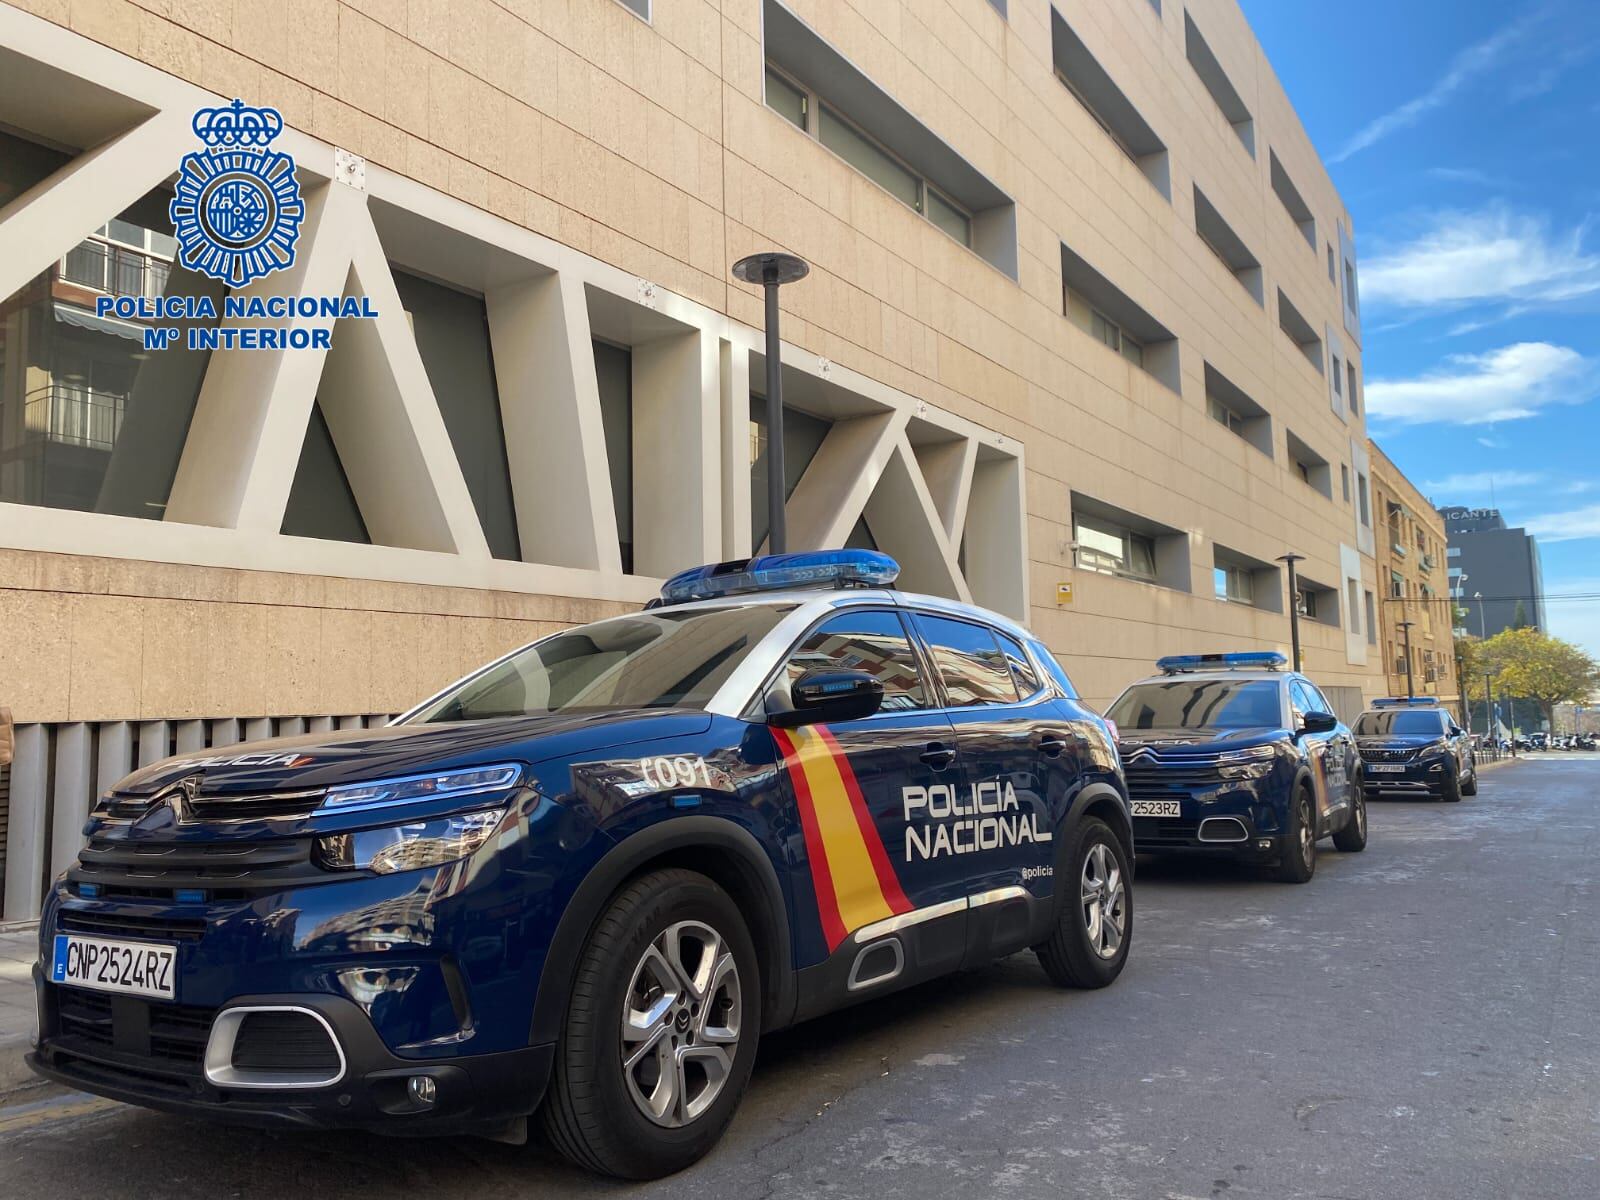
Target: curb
x=14, y=1072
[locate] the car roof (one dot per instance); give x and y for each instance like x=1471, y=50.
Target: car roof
x=1203, y=676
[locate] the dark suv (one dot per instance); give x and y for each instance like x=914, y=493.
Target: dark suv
x=1415, y=746
x=585, y=880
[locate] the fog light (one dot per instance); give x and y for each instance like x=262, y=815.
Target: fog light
x=1264, y=844
x=422, y=1089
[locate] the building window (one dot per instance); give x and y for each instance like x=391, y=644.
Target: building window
x=1102, y=328
x=1397, y=586
x=1217, y=83
x=1364, y=502
x=1113, y=550
x=1372, y=617
x=1299, y=331
x=786, y=99
x=1293, y=203
x=1233, y=584
x=1083, y=76
x=1350, y=393
x=639, y=8
x=1305, y=603
x=999, y=6
x=796, y=104
x=1333, y=275
x=1344, y=481
x=1227, y=245
x=1225, y=416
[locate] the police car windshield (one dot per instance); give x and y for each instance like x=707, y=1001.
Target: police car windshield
x=664, y=658
x=1400, y=721
x=1181, y=703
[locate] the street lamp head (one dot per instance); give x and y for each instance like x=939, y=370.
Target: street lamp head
x=771, y=266
x=1291, y=558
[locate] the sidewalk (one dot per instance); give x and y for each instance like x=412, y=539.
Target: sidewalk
x=18, y=950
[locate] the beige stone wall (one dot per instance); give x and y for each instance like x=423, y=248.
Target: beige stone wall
x=1434, y=618
x=99, y=639
x=648, y=146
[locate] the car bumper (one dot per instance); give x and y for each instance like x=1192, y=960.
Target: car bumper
x=1428, y=777
x=1218, y=835
x=373, y=1088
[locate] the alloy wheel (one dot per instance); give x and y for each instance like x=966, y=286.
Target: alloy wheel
x=1105, y=909
x=681, y=1020
x=1308, y=841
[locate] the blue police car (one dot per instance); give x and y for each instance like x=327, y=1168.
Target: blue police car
x=1412, y=745
x=582, y=882
x=1229, y=754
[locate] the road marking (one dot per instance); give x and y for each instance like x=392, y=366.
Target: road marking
x=30, y=1116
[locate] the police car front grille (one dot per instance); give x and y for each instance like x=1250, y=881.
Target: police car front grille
x=223, y=870
x=1151, y=782
x=129, y=1032
x=131, y=924
x=1374, y=754
x=259, y=806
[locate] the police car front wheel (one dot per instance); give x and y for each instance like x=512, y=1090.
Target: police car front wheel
x=661, y=1030
x=1088, y=946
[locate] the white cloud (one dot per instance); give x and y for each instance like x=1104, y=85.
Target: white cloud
x=1567, y=526
x=1476, y=389
x=1483, y=481
x=1491, y=443
x=1475, y=60
x=1492, y=256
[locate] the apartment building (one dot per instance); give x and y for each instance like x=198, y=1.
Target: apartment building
x=1416, y=618
x=1080, y=342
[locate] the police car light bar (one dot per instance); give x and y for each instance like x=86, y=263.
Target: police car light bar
x=1270, y=660
x=772, y=572
x=1407, y=702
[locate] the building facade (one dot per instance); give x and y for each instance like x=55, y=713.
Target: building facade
x=1080, y=342
x=1415, y=588
x=1495, y=572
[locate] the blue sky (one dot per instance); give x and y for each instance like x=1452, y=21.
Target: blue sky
x=1464, y=136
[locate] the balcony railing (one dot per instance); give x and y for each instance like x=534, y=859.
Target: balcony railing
x=115, y=270
x=75, y=415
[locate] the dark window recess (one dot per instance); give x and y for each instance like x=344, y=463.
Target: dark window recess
x=874, y=642
x=88, y=419
x=321, y=502
x=452, y=332
x=970, y=662
x=802, y=438
x=613, y=370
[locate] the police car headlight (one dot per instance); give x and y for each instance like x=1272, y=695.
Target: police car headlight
x=411, y=789
x=408, y=847
x=1252, y=763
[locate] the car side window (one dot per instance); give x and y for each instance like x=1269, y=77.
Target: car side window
x=1300, y=702
x=1318, y=700
x=1022, y=671
x=969, y=660
x=873, y=641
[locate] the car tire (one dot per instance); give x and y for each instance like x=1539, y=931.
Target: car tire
x=1299, y=861
x=1469, y=785
x=1353, y=837
x=1451, y=792
x=596, y=1111
x=1084, y=949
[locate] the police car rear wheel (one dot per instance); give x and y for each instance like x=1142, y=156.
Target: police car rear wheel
x=1089, y=944
x=660, y=1032
x=1299, y=860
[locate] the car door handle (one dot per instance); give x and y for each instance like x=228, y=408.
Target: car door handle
x=1052, y=744
x=938, y=755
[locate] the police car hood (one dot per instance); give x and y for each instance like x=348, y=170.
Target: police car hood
x=323, y=760
x=1209, y=737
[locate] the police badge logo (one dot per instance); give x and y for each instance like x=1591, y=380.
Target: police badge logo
x=236, y=210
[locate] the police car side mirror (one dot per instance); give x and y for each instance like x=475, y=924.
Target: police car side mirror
x=1318, y=722
x=822, y=697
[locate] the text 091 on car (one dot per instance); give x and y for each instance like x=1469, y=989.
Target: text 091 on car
x=579, y=884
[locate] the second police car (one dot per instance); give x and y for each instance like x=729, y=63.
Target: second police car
x=1414, y=746
x=1229, y=754
x=583, y=882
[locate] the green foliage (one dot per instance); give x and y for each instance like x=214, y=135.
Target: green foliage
x=1519, y=616
x=1530, y=663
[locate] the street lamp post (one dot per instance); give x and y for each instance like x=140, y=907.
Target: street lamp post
x=1294, y=606
x=772, y=269
x=1488, y=710
x=1405, y=630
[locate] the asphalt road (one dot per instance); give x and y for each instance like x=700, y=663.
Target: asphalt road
x=1421, y=1021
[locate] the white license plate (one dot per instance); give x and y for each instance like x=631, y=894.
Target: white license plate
x=1394, y=768
x=107, y=965
x=1157, y=808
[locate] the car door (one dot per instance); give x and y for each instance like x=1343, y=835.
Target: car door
x=853, y=782
x=1325, y=753
x=1016, y=753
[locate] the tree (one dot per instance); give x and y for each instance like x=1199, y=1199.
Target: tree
x=1530, y=663
x=1519, y=616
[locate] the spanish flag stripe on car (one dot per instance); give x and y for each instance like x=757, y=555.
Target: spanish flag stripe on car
x=854, y=881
